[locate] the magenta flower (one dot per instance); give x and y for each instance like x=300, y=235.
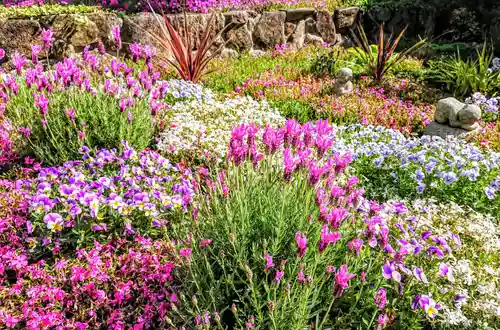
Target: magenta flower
x=42, y=103
x=116, y=36
x=47, y=37
x=205, y=242
x=301, y=240
x=135, y=50
x=279, y=275
x=2, y=53
x=342, y=278
x=382, y=321
x=19, y=61
x=70, y=113
x=186, y=252
x=381, y=298
x=269, y=262
x=355, y=245
x=327, y=237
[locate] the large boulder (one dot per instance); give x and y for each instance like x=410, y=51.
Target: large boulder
x=345, y=18
x=297, y=38
x=19, y=35
x=240, y=36
x=270, y=30
x=298, y=14
x=76, y=30
x=325, y=26
x=105, y=21
x=196, y=25
x=140, y=28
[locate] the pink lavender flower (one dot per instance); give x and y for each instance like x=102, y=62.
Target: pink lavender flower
x=382, y=321
x=2, y=53
x=381, y=298
x=342, y=278
x=355, y=245
x=19, y=61
x=205, y=242
x=186, y=252
x=70, y=113
x=135, y=50
x=47, y=37
x=301, y=240
x=269, y=262
x=327, y=237
x=35, y=51
x=42, y=103
x=279, y=275
x=116, y=36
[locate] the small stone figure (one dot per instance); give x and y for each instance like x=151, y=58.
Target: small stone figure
x=344, y=82
x=457, y=114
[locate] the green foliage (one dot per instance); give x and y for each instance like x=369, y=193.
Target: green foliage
x=466, y=76
x=299, y=110
x=44, y=10
x=98, y=122
x=228, y=73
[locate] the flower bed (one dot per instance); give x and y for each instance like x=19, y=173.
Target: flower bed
x=392, y=165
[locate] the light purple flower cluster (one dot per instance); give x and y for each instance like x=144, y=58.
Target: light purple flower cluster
x=117, y=193
x=489, y=105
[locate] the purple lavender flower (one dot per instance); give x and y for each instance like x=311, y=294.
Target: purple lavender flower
x=47, y=37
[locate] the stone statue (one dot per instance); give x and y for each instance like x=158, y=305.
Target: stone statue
x=457, y=114
x=344, y=82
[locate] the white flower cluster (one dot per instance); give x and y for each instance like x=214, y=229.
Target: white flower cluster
x=198, y=127
x=475, y=266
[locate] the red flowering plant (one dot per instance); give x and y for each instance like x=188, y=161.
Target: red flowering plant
x=285, y=240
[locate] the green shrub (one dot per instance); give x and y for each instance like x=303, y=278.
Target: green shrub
x=98, y=122
x=464, y=77
x=300, y=110
x=45, y=10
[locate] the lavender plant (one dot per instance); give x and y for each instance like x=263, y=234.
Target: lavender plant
x=285, y=240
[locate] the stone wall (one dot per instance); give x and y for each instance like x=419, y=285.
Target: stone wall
x=248, y=30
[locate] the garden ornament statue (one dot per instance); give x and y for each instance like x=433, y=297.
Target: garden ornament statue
x=344, y=82
x=457, y=114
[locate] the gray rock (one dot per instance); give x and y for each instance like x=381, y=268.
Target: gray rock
x=238, y=17
x=270, y=30
x=297, y=39
x=345, y=18
x=229, y=53
x=447, y=111
x=441, y=130
x=313, y=39
x=298, y=14
x=311, y=26
x=138, y=28
x=105, y=22
x=257, y=53
x=196, y=24
x=239, y=38
x=77, y=30
x=19, y=34
x=325, y=26
x=289, y=29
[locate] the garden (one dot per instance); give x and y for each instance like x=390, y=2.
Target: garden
x=249, y=164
